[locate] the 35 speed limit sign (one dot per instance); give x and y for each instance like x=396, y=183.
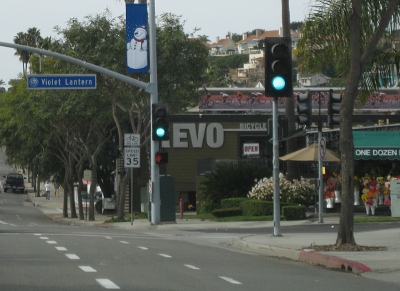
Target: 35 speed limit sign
x=132, y=158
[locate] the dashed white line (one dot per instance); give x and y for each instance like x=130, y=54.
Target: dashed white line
x=44, y=237
x=124, y=242
x=19, y=218
x=165, y=255
x=143, y=248
x=87, y=269
x=61, y=248
x=108, y=237
x=12, y=224
x=108, y=284
x=2, y=222
x=38, y=234
x=51, y=242
x=72, y=256
x=192, y=267
x=230, y=280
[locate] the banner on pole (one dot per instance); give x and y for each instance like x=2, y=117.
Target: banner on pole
x=136, y=38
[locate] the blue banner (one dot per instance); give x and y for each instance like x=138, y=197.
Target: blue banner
x=136, y=38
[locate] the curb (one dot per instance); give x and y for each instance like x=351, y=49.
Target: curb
x=310, y=257
x=333, y=262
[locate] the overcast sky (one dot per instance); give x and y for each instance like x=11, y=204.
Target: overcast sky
x=213, y=17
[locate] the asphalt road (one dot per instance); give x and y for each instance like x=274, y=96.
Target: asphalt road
x=37, y=253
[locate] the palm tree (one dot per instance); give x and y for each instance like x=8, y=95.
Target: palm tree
x=347, y=33
x=31, y=38
x=291, y=144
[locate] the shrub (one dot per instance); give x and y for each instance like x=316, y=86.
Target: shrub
x=296, y=191
x=206, y=207
x=256, y=208
x=232, y=202
x=231, y=179
x=294, y=212
x=236, y=211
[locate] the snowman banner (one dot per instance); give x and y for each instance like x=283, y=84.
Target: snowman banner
x=136, y=38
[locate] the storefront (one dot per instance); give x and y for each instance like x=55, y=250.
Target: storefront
x=376, y=145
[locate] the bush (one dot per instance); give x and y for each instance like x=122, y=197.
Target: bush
x=231, y=179
x=232, y=202
x=296, y=191
x=236, y=211
x=252, y=207
x=294, y=212
x=206, y=207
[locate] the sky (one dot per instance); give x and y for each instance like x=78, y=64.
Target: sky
x=215, y=18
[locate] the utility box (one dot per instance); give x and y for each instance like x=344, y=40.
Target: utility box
x=395, y=197
x=167, y=197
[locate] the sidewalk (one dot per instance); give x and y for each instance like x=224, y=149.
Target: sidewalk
x=380, y=265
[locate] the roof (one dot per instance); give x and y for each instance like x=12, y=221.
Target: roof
x=251, y=38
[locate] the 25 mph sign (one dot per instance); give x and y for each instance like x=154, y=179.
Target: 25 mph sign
x=132, y=158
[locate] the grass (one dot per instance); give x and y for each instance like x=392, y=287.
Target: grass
x=209, y=216
x=376, y=219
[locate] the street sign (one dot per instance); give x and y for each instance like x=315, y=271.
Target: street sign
x=62, y=81
x=322, y=148
x=131, y=140
x=132, y=158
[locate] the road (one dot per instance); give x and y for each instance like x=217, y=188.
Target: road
x=37, y=253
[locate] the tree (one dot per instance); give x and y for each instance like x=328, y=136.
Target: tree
x=349, y=33
x=291, y=144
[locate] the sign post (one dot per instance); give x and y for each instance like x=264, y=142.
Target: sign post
x=132, y=158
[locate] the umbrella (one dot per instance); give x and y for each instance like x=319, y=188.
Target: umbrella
x=310, y=154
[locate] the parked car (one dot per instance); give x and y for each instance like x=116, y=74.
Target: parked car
x=15, y=182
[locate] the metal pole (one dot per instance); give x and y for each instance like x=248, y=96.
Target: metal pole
x=275, y=161
x=131, y=196
x=320, y=180
x=155, y=174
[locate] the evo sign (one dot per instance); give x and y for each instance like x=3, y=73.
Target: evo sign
x=87, y=81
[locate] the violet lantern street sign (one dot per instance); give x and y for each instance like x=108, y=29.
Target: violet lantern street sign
x=69, y=81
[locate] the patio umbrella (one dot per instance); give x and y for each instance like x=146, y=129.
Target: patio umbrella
x=310, y=154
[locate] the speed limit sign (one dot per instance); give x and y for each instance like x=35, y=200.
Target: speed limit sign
x=132, y=158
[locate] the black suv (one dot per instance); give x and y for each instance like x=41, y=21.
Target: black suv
x=15, y=182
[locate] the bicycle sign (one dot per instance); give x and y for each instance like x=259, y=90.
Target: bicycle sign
x=132, y=158
x=131, y=140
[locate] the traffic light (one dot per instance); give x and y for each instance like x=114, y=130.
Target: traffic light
x=161, y=158
x=334, y=104
x=160, y=126
x=278, y=67
x=304, y=109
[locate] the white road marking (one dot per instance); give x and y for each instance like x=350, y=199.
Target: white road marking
x=165, y=255
x=72, y=256
x=61, y=248
x=192, y=267
x=108, y=237
x=19, y=218
x=108, y=284
x=44, y=237
x=230, y=280
x=12, y=224
x=38, y=234
x=123, y=242
x=2, y=222
x=51, y=242
x=143, y=248
x=87, y=269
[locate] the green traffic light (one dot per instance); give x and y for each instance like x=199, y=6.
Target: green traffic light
x=160, y=132
x=278, y=83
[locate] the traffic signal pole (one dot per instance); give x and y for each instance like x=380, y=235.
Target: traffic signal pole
x=155, y=200
x=320, y=177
